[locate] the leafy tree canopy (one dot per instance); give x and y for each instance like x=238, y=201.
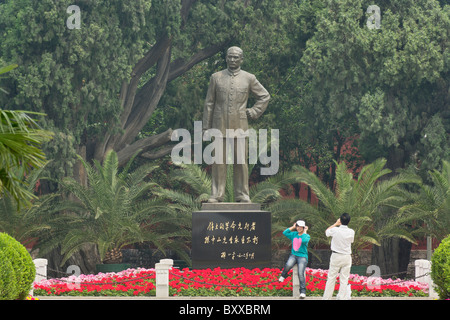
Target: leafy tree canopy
x=391, y=82
x=100, y=84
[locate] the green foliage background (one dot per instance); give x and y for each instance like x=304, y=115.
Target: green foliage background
x=335, y=83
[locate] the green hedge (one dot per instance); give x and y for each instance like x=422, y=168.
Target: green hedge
x=17, y=270
x=440, y=268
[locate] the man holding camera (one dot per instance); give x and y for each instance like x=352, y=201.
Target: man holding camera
x=341, y=260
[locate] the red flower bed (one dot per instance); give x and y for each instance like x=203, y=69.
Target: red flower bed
x=218, y=282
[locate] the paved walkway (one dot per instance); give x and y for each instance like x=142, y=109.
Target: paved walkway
x=223, y=298
x=262, y=307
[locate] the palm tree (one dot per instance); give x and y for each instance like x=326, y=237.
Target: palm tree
x=197, y=184
x=197, y=187
x=20, y=141
x=364, y=199
x=112, y=211
x=26, y=223
x=432, y=203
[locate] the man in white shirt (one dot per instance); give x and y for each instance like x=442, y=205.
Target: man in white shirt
x=341, y=260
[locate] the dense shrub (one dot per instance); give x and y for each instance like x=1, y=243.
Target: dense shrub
x=440, y=269
x=8, y=283
x=17, y=270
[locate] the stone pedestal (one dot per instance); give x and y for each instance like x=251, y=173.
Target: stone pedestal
x=41, y=271
x=162, y=277
x=423, y=270
x=231, y=235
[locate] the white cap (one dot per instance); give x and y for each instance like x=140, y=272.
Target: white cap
x=301, y=223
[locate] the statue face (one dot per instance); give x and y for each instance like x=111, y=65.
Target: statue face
x=234, y=59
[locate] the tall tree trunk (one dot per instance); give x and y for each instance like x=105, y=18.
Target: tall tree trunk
x=393, y=255
x=86, y=259
x=139, y=104
x=337, y=155
x=297, y=187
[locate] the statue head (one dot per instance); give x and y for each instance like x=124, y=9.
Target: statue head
x=235, y=57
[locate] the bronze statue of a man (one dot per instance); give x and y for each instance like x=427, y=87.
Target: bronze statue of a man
x=226, y=108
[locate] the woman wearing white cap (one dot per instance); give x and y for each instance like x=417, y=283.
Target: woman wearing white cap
x=299, y=253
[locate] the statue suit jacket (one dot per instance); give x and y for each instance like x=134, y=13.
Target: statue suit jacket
x=226, y=100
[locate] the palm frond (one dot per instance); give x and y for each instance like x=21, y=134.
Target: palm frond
x=325, y=195
x=194, y=176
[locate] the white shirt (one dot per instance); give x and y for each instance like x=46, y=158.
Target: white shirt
x=342, y=239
